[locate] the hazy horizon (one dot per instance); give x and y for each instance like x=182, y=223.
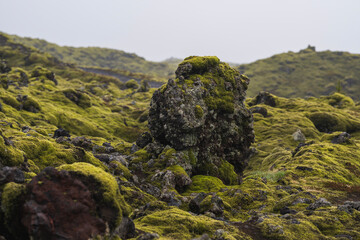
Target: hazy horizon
x=235, y=31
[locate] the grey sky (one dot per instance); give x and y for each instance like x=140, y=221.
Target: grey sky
x=234, y=30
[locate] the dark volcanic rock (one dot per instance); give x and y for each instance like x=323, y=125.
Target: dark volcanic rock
x=60, y=132
x=265, y=98
x=303, y=168
x=321, y=202
x=59, y=206
x=202, y=110
x=144, y=139
x=126, y=229
x=4, y=68
x=343, y=137
x=349, y=206
x=11, y=174
x=263, y=111
x=82, y=142
x=194, y=204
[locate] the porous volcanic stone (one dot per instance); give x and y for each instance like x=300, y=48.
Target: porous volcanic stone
x=203, y=110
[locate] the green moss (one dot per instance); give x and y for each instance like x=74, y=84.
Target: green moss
x=31, y=105
x=178, y=224
x=132, y=84
x=108, y=188
x=227, y=173
x=200, y=64
x=46, y=153
x=327, y=223
x=11, y=205
x=277, y=228
x=141, y=156
x=41, y=72
x=177, y=170
x=327, y=122
x=269, y=176
x=338, y=100
x=202, y=183
x=213, y=74
x=11, y=101
x=303, y=74
x=119, y=169
x=222, y=101
x=137, y=198
x=78, y=97
x=199, y=112
x=10, y=156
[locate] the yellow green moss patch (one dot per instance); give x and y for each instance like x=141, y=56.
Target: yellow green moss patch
x=178, y=224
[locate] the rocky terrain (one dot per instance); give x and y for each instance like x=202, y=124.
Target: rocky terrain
x=87, y=156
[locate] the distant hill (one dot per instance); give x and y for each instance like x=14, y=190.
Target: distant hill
x=100, y=57
x=305, y=73
x=292, y=74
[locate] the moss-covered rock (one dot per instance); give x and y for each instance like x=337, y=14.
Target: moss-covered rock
x=105, y=191
x=132, y=83
x=178, y=224
x=203, y=110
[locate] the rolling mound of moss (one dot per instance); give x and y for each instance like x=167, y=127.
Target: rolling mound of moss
x=305, y=73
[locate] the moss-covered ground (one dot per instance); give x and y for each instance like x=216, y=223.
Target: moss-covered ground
x=280, y=183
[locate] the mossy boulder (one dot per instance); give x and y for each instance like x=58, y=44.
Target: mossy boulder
x=203, y=110
x=105, y=191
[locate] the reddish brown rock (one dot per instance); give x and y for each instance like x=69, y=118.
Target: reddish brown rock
x=59, y=206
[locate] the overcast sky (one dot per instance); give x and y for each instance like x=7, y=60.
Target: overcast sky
x=234, y=30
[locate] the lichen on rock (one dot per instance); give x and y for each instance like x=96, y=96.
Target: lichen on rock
x=203, y=110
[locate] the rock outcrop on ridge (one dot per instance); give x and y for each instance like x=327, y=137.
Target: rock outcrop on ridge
x=203, y=110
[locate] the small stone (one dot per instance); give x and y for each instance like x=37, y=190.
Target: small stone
x=299, y=136
x=11, y=174
x=60, y=132
x=303, y=168
x=148, y=236
x=126, y=229
x=349, y=206
x=287, y=210
x=295, y=221
x=194, y=204
x=134, y=148
x=321, y=202
x=263, y=111
x=343, y=137
x=265, y=98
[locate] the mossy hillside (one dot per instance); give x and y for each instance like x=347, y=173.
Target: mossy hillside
x=70, y=113
x=98, y=57
x=305, y=73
